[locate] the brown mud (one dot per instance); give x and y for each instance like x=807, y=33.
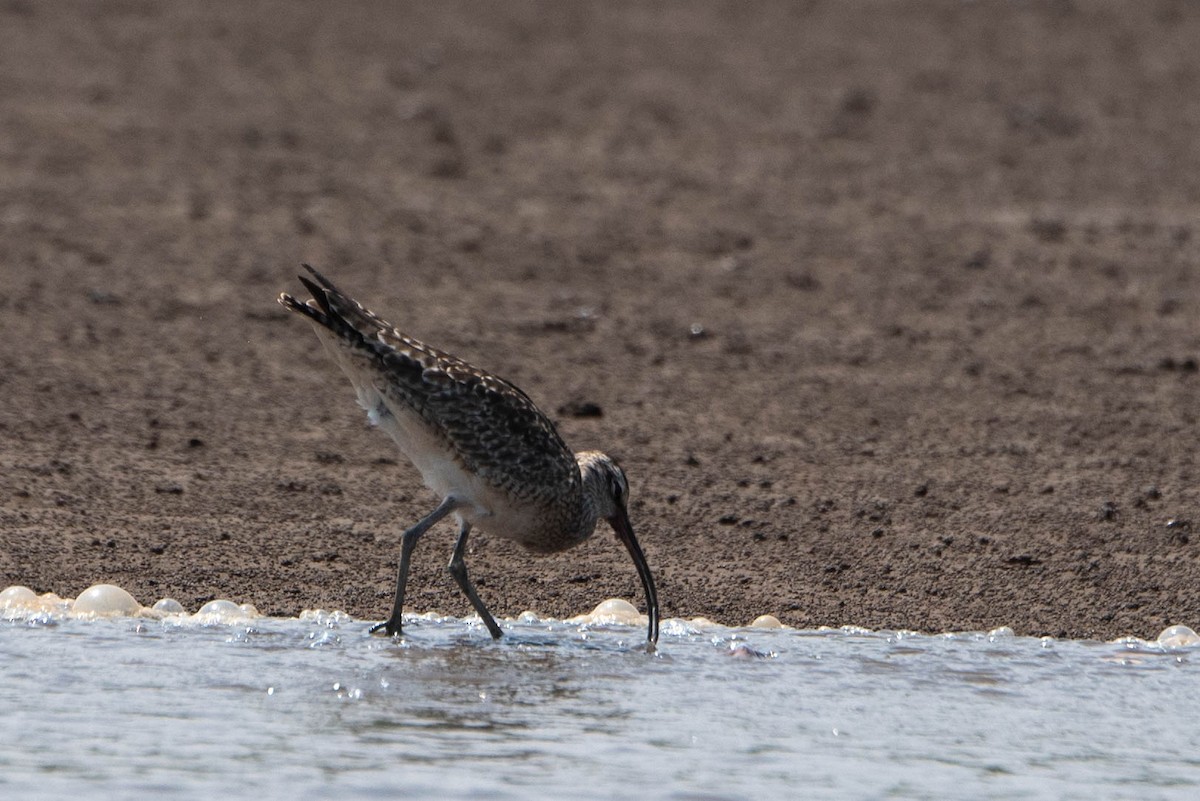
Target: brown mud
x=889, y=310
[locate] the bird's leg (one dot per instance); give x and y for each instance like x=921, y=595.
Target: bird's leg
x=458, y=569
x=408, y=542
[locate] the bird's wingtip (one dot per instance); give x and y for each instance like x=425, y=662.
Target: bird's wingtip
x=321, y=279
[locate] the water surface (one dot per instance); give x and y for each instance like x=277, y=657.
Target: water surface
x=316, y=708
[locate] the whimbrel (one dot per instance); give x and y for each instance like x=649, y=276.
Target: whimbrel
x=495, y=460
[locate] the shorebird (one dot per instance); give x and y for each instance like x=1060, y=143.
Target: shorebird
x=495, y=460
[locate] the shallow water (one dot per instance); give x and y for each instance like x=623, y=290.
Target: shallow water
x=316, y=708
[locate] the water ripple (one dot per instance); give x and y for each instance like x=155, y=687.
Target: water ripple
x=316, y=707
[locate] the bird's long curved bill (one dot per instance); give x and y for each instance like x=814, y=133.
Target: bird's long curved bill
x=624, y=529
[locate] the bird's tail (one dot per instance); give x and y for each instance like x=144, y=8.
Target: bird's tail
x=334, y=309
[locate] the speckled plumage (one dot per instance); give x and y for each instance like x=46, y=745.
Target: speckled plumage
x=479, y=442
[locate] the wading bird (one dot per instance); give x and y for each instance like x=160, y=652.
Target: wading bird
x=495, y=460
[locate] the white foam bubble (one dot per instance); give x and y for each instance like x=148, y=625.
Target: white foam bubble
x=1178, y=637
x=22, y=603
x=169, y=606
x=674, y=627
x=105, y=600
x=223, y=610
x=611, y=611
x=326, y=618
x=18, y=597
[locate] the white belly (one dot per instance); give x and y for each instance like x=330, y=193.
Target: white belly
x=428, y=453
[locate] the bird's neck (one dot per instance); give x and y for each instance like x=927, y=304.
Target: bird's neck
x=590, y=508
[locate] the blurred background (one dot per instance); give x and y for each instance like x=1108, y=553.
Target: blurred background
x=888, y=309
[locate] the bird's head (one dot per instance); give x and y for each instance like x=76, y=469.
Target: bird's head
x=606, y=493
x=605, y=487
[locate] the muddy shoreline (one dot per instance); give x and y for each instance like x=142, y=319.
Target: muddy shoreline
x=889, y=310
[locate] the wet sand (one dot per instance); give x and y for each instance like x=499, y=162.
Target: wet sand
x=889, y=310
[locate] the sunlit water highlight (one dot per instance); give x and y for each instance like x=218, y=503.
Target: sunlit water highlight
x=238, y=705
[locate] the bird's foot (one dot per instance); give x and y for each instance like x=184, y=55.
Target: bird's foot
x=389, y=627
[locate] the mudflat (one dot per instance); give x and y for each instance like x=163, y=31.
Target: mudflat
x=889, y=310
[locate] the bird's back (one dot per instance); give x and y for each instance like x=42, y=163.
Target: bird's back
x=465, y=429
